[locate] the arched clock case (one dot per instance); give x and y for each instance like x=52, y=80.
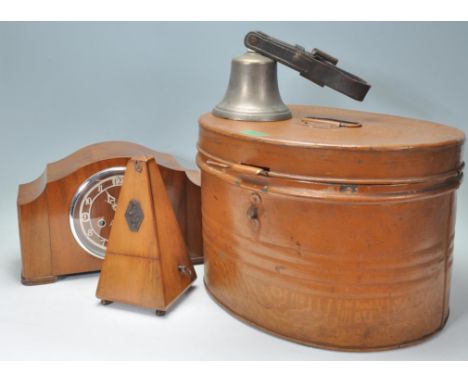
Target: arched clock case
x=66, y=214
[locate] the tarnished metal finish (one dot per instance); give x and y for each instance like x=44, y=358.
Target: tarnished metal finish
x=252, y=93
x=184, y=270
x=354, y=258
x=134, y=214
x=317, y=66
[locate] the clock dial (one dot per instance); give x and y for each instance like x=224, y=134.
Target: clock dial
x=93, y=208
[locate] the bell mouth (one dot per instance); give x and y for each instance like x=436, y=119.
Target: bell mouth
x=254, y=116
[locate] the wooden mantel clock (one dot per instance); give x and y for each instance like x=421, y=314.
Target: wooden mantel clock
x=66, y=214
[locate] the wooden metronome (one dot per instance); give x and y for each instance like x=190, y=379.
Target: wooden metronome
x=65, y=215
x=147, y=263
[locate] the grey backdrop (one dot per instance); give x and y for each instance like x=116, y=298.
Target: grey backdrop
x=66, y=85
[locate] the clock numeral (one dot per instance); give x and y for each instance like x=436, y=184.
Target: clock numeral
x=117, y=180
x=92, y=209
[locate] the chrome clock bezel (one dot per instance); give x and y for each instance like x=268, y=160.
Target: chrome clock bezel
x=98, y=176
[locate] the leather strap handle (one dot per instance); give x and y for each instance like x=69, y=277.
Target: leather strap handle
x=317, y=66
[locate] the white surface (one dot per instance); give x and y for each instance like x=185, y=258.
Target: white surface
x=65, y=321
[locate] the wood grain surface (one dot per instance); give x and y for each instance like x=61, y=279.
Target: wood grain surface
x=150, y=266
x=48, y=248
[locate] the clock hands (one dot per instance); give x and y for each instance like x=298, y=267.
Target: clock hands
x=101, y=221
x=111, y=200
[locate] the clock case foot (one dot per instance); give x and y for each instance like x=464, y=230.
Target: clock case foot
x=38, y=280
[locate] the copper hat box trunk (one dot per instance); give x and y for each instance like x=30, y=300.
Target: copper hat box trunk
x=334, y=228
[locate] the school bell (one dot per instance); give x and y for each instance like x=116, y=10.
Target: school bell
x=253, y=94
